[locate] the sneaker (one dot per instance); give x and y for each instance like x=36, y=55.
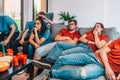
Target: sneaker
x=42, y=63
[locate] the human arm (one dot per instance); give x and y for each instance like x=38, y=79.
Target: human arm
x=118, y=77
x=61, y=35
x=99, y=43
x=73, y=41
x=49, y=21
x=109, y=72
x=23, y=36
x=66, y=39
x=84, y=40
x=103, y=47
x=31, y=40
x=43, y=38
x=61, y=38
x=13, y=28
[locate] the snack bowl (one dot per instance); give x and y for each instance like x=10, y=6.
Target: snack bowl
x=5, y=62
x=4, y=65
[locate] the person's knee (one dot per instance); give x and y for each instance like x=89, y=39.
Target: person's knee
x=65, y=52
x=61, y=60
x=36, y=56
x=83, y=73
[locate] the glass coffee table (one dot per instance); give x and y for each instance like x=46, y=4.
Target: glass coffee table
x=6, y=75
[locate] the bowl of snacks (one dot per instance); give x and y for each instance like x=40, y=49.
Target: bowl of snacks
x=4, y=66
x=5, y=62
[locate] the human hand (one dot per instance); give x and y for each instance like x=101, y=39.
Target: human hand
x=118, y=77
x=110, y=74
x=37, y=46
x=95, y=32
x=5, y=42
x=90, y=42
x=21, y=41
x=43, y=17
x=68, y=38
x=35, y=29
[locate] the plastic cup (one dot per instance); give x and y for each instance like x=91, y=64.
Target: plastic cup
x=15, y=60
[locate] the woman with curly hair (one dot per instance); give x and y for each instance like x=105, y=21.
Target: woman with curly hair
x=39, y=37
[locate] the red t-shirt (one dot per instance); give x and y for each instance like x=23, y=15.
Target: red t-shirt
x=113, y=56
x=90, y=36
x=65, y=32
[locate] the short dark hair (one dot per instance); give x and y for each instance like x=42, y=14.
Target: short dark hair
x=42, y=13
x=75, y=21
x=102, y=26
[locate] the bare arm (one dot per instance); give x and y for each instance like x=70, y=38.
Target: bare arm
x=109, y=72
x=61, y=38
x=10, y=35
x=49, y=21
x=84, y=40
x=37, y=40
x=13, y=28
x=32, y=41
x=99, y=43
x=118, y=77
x=99, y=50
x=36, y=35
x=24, y=34
x=74, y=41
x=66, y=39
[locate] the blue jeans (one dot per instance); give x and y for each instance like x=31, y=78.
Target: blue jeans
x=44, y=50
x=63, y=48
x=91, y=64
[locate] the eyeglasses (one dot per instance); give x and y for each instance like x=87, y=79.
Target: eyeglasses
x=71, y=24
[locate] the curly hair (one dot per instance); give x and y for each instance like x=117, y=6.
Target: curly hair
x=43, y=26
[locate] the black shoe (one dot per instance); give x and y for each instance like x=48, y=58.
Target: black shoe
x=42, y=63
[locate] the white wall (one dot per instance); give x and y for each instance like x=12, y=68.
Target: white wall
x=1, y=7
x=88, y=12
x=28, y=10
x=112, y=13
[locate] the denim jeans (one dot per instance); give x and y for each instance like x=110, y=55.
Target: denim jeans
x=58, y=49
x=91, y=64
x=63, y=48
x=44, y=50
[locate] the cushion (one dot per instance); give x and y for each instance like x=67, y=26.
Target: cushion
x=112, y=33
x=50, y=15
x=56, y=28
x=82, y=30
